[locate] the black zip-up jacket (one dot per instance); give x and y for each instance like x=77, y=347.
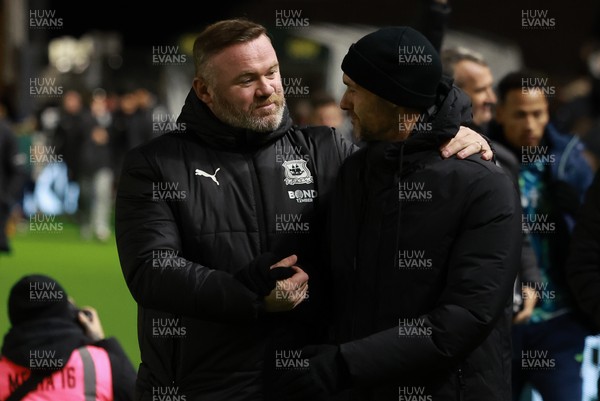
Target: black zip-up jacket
x=193, y=208
x=422, y=302
x=583, y=265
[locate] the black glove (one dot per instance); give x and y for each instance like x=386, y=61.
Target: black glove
x=326, y=374
x=258, y=276
x=565, y=197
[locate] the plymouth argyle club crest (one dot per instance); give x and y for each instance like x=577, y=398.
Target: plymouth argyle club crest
x=296, y=172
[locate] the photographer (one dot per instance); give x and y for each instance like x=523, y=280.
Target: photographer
x=56, y=351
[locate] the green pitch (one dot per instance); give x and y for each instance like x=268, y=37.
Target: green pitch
x=89, y=271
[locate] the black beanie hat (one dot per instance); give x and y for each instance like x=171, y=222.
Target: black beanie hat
x=397, y=64
x=38, y=297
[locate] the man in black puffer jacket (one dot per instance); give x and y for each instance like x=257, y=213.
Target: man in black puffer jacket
x=203, y=214
x=425, y=251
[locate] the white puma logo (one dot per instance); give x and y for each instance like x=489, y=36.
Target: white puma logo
x=211, y=176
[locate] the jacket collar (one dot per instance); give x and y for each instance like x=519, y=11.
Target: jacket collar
x=451, y=110
x=201, y=122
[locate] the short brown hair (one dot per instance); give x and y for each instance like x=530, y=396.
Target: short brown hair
x=220, y=35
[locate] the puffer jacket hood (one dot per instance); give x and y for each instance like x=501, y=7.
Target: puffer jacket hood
x=451, y=110
x=443, y=120
x=197, y=117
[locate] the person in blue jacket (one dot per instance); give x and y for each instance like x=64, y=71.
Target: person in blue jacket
x=553, y=178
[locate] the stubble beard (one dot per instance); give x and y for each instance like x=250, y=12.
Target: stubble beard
x=235, y=117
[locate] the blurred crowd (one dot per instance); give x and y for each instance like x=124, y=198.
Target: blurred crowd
x=65, y=159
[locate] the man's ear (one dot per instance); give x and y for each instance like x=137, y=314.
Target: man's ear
x=201, y=90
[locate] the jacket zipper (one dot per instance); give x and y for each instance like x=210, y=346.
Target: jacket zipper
x=354, y=284
x=461, y=385
x=175, y=357
x=175, y=360
x=260, y=213
x=357, y=247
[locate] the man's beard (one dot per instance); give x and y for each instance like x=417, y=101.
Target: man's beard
x=235, y=117
x=362, y=133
